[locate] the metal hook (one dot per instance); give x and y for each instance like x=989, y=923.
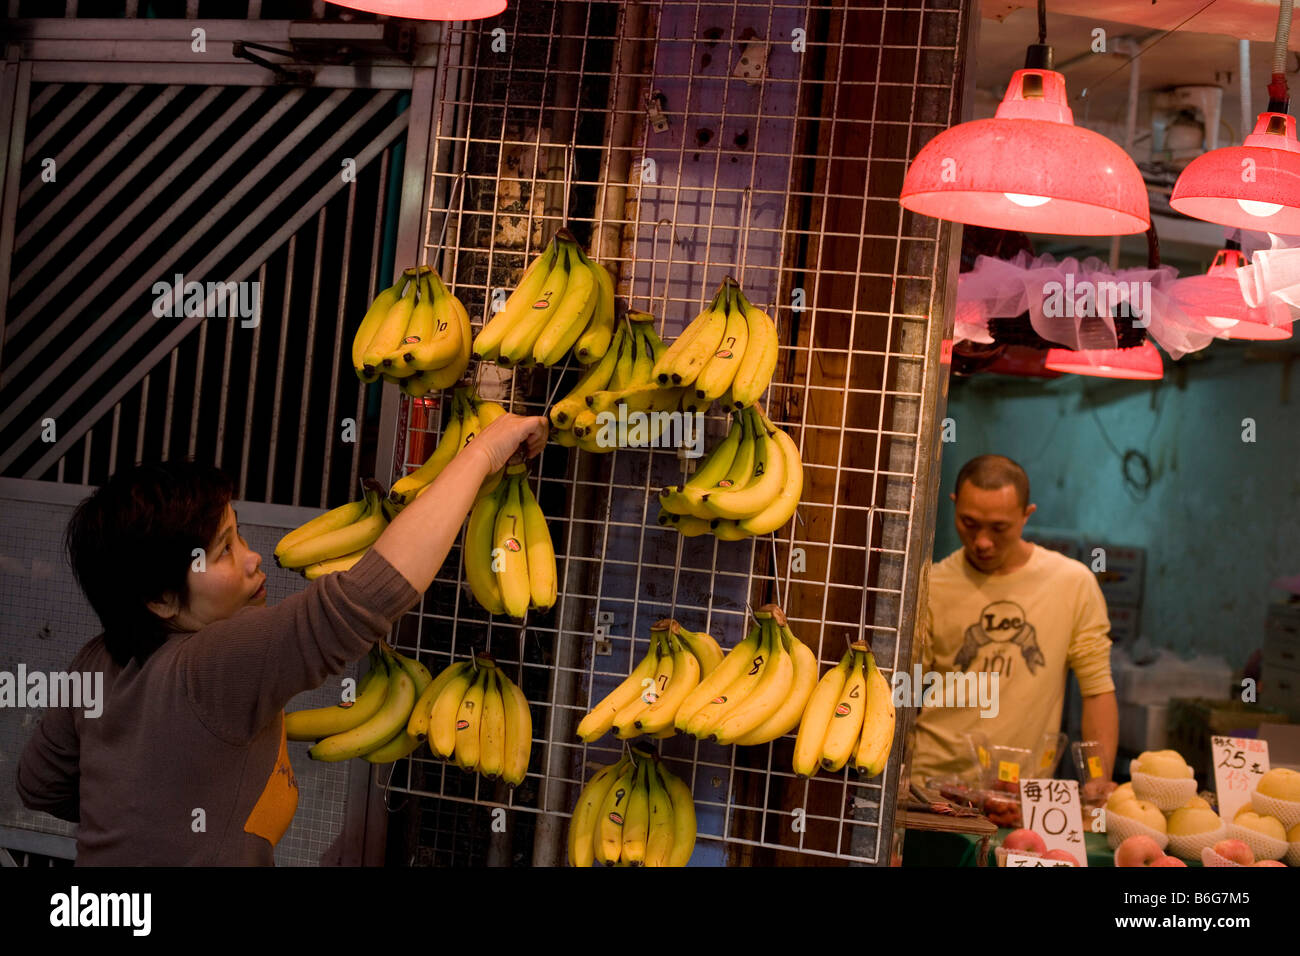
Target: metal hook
x=746, y=210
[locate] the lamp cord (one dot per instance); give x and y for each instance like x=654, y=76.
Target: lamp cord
x=1278, y=95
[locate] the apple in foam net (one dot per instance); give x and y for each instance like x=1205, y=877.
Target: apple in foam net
x=1196, y=803
x=1138, y=850
x=1169, y=861
x=1022, y=839
x=1186, y=821
x=1269, y=826
x=1143, y=812
x=1162, y=763
x=1280, y=783
x=1121, y=794
x=1236, y=851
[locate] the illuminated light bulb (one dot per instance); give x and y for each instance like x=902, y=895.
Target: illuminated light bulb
x=1261, y=209
x=1023, y=199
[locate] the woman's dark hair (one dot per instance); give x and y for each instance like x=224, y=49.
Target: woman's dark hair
x=133, y=540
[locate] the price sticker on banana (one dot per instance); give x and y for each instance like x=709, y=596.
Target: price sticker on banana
x=1051, y=809
x=1239, y=762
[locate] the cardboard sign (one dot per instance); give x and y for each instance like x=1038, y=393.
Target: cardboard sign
x=1023, y=859
x=1239, y=762
x=1051, y=809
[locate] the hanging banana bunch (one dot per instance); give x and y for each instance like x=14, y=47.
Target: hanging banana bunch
x=336, y=540
x=849, y=715
x=418, y=338
x=633, y=813
x=509, y=555
x=564, y=302
x=748, y=485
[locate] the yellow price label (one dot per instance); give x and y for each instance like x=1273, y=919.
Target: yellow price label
x=1094, y=767
x=1048, y=757
x=983, y=755
x=1008, y=772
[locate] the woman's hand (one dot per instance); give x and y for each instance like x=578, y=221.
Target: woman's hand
x=511, y=434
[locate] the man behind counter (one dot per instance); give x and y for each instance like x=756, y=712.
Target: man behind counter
x=1002, y=604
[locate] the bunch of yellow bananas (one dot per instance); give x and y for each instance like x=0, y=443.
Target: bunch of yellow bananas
x=374, y=726
x=477, y=716
x=748, y=485
x=850, y=714
x=421, y=342
x=646, y=701
x=564, y=301
x=509, y=555
x=633, y=813
x=588, y=417
x=469, y=416
x=337, y=539
x=731, y=346
x=758, y=692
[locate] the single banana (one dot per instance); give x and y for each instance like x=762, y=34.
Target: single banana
x=782, y=507
x=519, y=731
x=683, y=817
x=540, y=552
x=594, y=379
x=518, y=342
x=705, y=721
x=443, y=715
x=322, y=722
x=685, y=368
x=770, y=692
x=659, y=839
x=391, y=331
x=492, y=732
x=333, y=565
x=739, y=660
x=374, y=318
x=469, y=721
x=601, y=717
x=817, y=717
x=786, y=718
x=418, y=724
x=845, y=725
x=702, y=645
x=877, y=723
x=420, y=327
x=685, y=677
x=711, y=470
x=738, y=473
x=401, y=745
x=625, y=722
x=716, y=375
x=476, y=549
x=636, y=821
x=357, y=536
x=767, y=481
x=664, y=368
x=420, y=675
x=488, y=342
x=509, y=543
x=389, y=720
x=407, y=489
x=436, y=340
x=572, y=314
x=445, y=376
x=332, y=520
x=725, y=529
x=622, y=377
x=688, y=526
x=583, y=824
x=755, y=371
x=609, y=823
x=595, y=340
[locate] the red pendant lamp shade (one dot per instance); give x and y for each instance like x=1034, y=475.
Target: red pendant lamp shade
x=1142, y=362
x=1253, y=186
x=1225, y=265
x=427, y=9
x=1029, y=169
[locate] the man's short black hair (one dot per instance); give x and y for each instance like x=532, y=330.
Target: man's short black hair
x=992, y=472
x=133, y=541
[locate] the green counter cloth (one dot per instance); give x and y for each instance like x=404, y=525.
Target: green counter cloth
x=923, y=848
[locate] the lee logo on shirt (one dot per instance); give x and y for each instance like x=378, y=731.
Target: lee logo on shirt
x=1000, y=623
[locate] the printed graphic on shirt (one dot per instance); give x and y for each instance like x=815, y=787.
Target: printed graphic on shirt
x=1000, y=625
x=275, y=808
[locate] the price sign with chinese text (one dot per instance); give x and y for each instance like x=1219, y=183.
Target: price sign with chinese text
x=1051, y=809
x=1024, y=859
x=1239, y=762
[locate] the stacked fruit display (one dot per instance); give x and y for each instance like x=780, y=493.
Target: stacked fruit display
x=759, y=690
x=850, y=715
x=469, y=416
x=336, y=540
x=748, y=485
x=648, y=700
x=374, y=725
x=419, y=339
x=477, y=717
x=730, y=347
x=509, y=555
x=633, y=813
x=564, y=301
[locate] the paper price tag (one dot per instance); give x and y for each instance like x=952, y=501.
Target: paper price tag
x=1094, y=768
x=1239, y=762
x=1048, y=758
x=1022, y=859
x=984, y=756
x=1008, y=772
x=1051, y=809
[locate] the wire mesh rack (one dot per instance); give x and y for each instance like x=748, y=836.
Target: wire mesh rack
x=681, y=143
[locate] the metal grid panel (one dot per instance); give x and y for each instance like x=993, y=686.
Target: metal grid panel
x=791, y=186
